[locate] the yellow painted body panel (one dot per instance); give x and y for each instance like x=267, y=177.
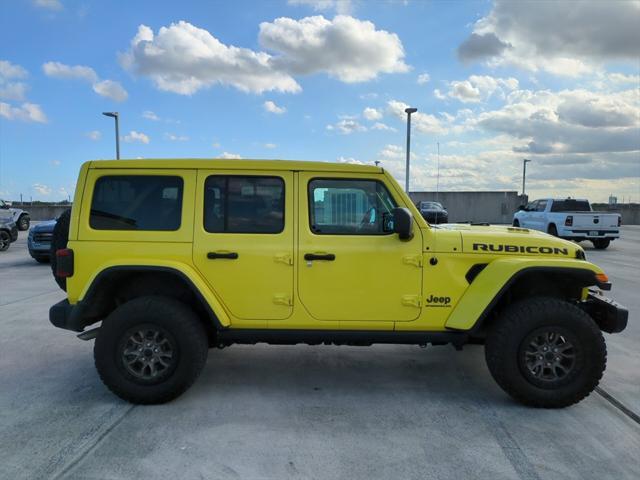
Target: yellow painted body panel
x=377, y=282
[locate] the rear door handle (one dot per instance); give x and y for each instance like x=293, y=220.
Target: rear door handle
x=228, y=255
x=320, y=256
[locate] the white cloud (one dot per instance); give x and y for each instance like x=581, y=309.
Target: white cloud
x=134, y=136
x=183, y=59
x=372, y=114
x=423, y=78
x=42, y=189
x=439, y=95
x=149, y=115
x=271, y=107
x=55, y=163
x=230, y=156
x=270, y=145
x=621, y=78
x=48, y=4
x=383, y=126
x=349, y=160
x=10, y=89
x=176, y=138
x=422, y=122
x=345, y=48
x=105, y=88
x=27, y=112
x=94, y=135
x=347, y=126
x=77, y=72
x=478, y=88
x=340, y=6
x=563, y=38
x=111, y=89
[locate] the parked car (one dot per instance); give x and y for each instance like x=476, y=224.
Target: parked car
x=8, y=233
x=173, y=257
x=21, y=217
x=39, y=241
x=571, y=219
x=433, y=212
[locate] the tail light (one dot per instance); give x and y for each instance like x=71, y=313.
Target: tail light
x=620, y=220
x=569, y=221
x=64, y=263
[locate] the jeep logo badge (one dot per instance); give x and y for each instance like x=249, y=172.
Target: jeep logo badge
x=433, y=301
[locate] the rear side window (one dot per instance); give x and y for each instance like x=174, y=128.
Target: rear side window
x=570, y=205
x=243, y=204
x=137, y=202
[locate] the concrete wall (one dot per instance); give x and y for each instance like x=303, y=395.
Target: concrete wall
x=630, y=211
x=491, y=207
x=43, y=212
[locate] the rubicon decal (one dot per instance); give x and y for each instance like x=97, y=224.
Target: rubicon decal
x=435, y=301
x=490, y=247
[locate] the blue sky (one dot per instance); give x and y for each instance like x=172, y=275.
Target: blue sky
x=494, y=82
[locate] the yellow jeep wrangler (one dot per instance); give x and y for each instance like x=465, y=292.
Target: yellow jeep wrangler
x=172, y=257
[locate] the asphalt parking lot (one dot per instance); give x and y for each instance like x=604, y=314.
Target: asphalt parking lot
x=398, y=412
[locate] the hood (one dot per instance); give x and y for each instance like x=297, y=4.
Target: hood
x=46, y=226
x=507, y=240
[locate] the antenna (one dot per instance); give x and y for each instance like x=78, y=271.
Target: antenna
x=438, y=175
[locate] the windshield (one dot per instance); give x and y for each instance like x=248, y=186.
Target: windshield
x=570, y=205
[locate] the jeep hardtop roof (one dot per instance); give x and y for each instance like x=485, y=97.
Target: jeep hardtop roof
x=234, y=164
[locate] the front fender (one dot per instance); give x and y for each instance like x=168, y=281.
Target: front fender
x=491, y=283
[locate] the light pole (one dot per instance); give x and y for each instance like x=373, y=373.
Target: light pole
x=408, y=111
x=116, y=116
x=524, y=173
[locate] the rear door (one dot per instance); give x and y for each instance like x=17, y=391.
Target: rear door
x=243, y=240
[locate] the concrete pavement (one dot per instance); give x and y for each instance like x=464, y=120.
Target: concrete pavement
x=304, y=412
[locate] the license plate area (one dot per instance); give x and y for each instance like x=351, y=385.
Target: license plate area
x=594, y=233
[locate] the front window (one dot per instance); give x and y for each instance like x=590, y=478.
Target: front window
x=349, y=207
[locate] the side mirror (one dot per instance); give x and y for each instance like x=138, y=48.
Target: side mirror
x=401, y=223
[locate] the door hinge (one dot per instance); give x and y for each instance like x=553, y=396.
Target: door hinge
x=411, y=300
x=284, y=258
x=412, y=260
x=282, y=300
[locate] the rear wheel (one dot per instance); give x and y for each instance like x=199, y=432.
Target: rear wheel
x=516, y=223
x=601, y=244
x=5, y=240
x=552, y=230
x=546, y=352
x=150, y=350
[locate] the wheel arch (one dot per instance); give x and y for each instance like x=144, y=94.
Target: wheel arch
x=495, y=288
x=115, y=285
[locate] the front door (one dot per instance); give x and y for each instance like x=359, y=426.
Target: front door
x=349, y=268
x=243, y=241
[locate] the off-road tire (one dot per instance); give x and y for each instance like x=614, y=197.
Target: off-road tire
x=59, y=241
x=506, y=339
x=179, y=323
x=5, y=240
x=601, y=243
x=24, y=221
x=516, y=223
x=552, y=230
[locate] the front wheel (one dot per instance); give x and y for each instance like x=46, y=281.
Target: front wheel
x=24, y=222
x=516, y=223
x=150, y=349
x=546, y=352
x=5, y=240
x=601, y=243
x=552, y=230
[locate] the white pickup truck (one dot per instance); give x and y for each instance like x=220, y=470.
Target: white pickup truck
x=569, y=218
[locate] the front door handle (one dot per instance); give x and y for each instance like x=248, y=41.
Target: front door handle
x=228, y=255
x=320, y=256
